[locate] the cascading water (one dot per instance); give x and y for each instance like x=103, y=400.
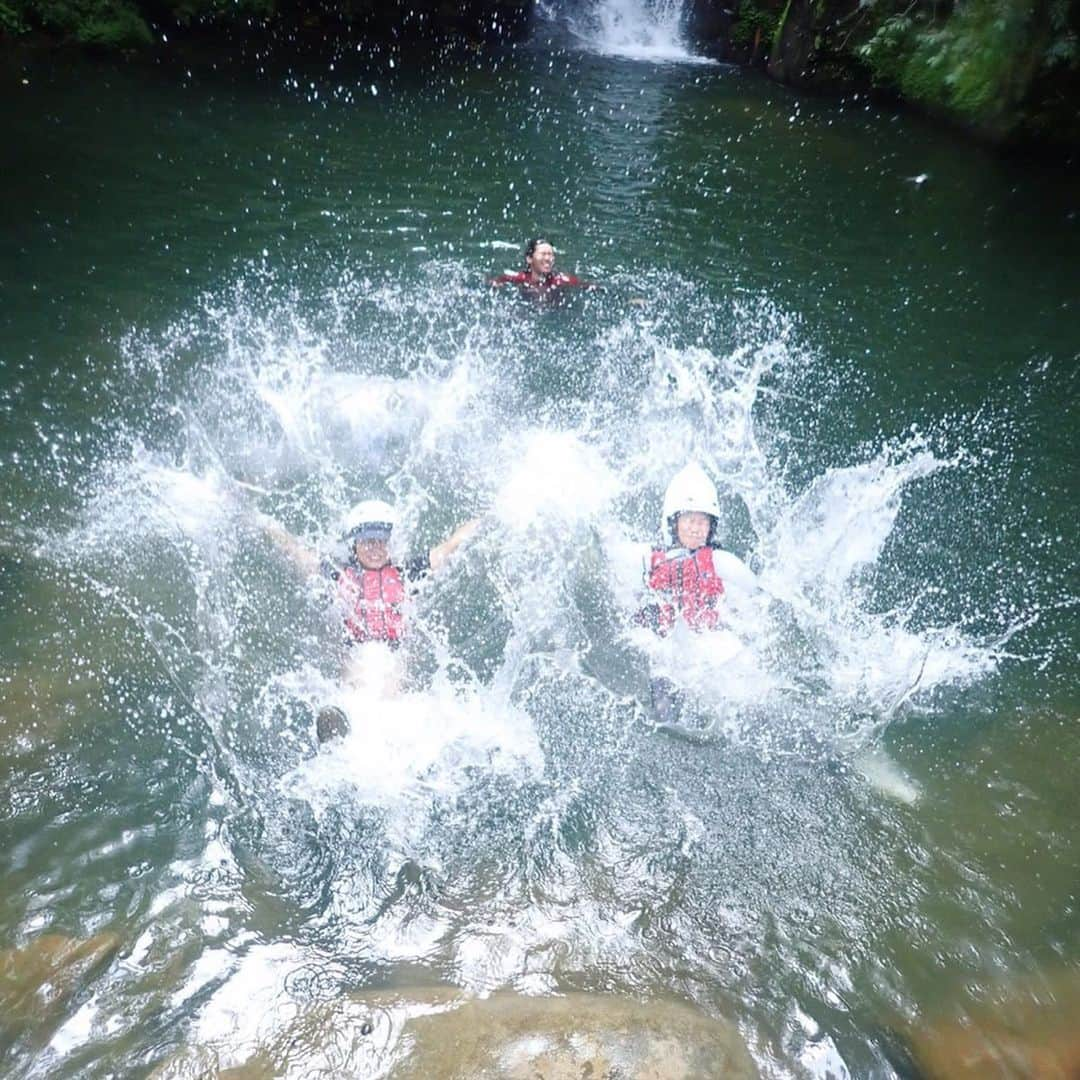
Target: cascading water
x=652, y=30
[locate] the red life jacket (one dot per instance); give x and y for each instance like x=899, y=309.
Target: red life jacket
x=689, y=585
x=372, y=600
x=555, y=280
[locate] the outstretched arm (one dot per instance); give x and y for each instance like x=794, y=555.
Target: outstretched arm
x=440, y=554
x=305, y=559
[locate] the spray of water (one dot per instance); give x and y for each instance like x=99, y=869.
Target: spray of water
x=282, y=425
x=526, y=681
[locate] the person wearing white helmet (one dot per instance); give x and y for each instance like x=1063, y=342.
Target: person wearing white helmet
x=371, y=589
x=682, y=574
x=680, y=577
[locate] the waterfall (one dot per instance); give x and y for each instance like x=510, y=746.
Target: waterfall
x=639, y=29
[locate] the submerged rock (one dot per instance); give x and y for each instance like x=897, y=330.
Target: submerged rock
x=36, y=704
x=579, y=1035
x=1024, y=1030
x=441, y=1034
x=37, y=979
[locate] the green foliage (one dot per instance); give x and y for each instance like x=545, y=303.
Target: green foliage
x=114, y=24
x=750, y=22
x=11, y=21
x=126, y=23
x=890, y=48
x=971, y=62
x=121, y=24
x=976, y=59
x=186, y=12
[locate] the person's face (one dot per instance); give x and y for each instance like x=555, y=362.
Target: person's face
x=372, y=554
x=692, y=529
x=542, y=260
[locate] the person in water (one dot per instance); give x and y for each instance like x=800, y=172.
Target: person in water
x=540, y=280
x=683, y=574
x=371, y=590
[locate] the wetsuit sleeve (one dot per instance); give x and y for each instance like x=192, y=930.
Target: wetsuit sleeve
x=648, y=613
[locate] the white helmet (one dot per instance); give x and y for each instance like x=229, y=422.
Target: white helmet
x=370, y=519
x=690, y=489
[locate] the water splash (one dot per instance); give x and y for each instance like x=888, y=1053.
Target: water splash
x=481, y=822
x=281, y=422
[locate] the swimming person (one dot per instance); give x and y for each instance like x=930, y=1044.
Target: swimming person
x=540, y=280
x=370, y=591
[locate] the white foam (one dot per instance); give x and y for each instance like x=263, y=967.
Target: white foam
x=555, y=481
x=886, y=776
x=650, y=30
x=408, y=748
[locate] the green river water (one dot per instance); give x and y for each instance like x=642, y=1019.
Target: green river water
x=867, y=330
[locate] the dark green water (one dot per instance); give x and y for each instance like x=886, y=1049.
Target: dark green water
x=282, y=279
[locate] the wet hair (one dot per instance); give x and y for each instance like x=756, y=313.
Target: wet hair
x=533, y=244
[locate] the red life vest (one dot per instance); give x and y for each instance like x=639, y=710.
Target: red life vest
x=689, y=585
x=372, y=600
x=555, y=280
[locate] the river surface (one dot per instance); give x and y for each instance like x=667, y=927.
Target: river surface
x=228, y=290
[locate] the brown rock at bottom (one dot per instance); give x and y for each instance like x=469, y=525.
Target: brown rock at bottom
x=36, y=979
x=1022, y=1030
x=442, y=1033
x=579, y=1035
